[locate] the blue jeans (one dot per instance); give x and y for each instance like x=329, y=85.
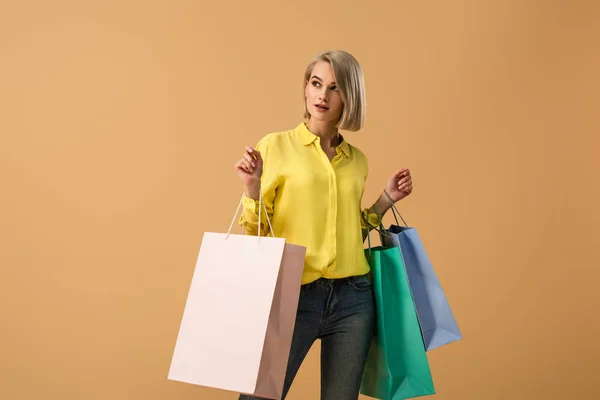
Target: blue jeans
x=340, y=312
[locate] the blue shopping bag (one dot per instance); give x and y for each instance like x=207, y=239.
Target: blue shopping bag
x=437, y=322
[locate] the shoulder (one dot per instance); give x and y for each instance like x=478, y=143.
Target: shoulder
x=359, y=158
x=279, y=140
x=358, y=154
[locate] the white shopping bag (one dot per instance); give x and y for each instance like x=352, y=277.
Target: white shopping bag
x=239, y=316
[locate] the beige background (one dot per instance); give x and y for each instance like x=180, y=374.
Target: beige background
x=120, y=122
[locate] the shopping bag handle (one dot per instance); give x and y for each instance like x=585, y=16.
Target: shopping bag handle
x=394, y=210
x=381, y=229
x=368, y=230
x=261, y=205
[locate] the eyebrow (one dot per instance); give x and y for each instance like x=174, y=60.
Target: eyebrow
x=316, y=77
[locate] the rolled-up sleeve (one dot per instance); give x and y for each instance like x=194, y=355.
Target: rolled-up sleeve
x=269, y=182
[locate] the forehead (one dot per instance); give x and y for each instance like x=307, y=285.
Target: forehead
x=323, y=70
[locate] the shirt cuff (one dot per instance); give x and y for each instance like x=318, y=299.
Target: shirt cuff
x=373, y=219
x=250, y=204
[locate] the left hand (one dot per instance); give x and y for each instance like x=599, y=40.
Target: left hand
x=400, y=185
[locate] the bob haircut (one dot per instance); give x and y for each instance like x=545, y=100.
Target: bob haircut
x=350, y=82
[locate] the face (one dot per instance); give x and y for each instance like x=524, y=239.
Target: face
x=323, y=100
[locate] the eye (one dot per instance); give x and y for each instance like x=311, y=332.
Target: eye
x=334, y=88
x=316, y=83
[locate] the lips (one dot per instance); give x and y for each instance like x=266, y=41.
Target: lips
x=321, y=107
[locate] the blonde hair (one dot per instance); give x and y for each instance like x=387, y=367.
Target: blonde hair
x=350, y=82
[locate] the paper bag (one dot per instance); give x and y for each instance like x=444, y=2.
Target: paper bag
x=237, y=324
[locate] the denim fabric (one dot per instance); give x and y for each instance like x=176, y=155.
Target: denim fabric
x=341, y=313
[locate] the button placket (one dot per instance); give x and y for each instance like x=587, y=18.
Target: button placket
x=332, y=215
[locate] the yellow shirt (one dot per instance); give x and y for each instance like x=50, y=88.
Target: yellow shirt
x=313, y=202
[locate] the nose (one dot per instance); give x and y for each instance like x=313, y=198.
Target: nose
x=323, y=95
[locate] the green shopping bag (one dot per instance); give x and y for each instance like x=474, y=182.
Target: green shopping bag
x=397, y=366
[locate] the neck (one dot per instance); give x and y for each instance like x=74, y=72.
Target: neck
x=325, y=130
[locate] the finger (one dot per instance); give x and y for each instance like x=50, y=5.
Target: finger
x=405, y=185
x=402, y=185
x=400, y=172
x=242, y=165
x=255, y=154
x=248, y=165
x=250, y=159
x=250, y=152
x=405, y=180
x=239, y=166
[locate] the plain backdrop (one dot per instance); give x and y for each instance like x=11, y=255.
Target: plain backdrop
x=120, y=122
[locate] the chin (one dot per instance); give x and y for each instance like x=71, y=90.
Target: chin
x=323, y=118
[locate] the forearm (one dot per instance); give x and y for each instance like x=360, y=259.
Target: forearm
x=252, y=190
x=382, y=205
x=373, y=216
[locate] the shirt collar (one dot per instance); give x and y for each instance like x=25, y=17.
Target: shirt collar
x=307, y=137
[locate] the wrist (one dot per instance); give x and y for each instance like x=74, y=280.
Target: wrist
x=388, y=198
x=252, y=190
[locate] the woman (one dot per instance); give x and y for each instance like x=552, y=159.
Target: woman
x=311, y=181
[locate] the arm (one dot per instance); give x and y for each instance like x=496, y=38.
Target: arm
x=399, y=186
x=257, y=180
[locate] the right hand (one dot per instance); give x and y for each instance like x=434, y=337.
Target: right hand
x=249, y=168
